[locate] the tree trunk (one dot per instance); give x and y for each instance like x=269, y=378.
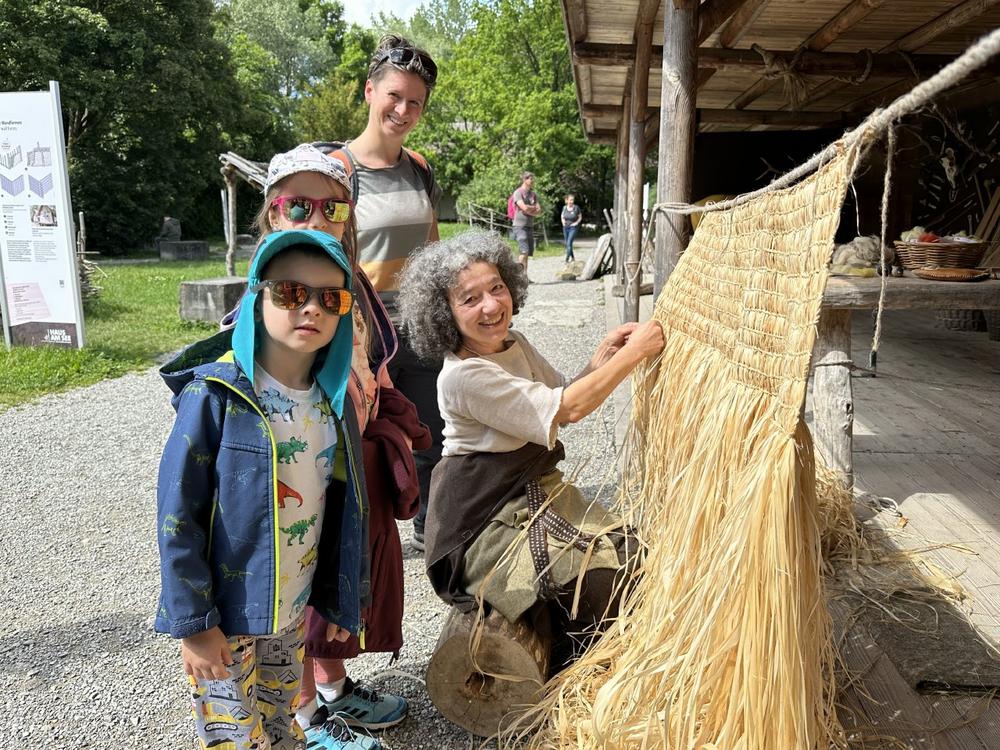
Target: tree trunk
x=511, y=664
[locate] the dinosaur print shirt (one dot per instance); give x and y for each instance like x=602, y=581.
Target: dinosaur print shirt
x=306, y=440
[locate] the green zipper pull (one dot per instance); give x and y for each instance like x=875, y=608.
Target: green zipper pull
x=361, y=635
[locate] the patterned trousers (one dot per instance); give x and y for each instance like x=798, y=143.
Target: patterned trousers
x=254, y=708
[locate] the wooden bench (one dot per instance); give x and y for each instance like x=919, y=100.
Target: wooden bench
x=833, y=400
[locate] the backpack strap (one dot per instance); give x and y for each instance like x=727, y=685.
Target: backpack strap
x=426, y=172
x=341, y=152
x=344, y=157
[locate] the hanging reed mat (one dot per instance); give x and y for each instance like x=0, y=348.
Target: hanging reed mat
x=723, y=639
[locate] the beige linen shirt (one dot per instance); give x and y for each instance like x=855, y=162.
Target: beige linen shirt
x=499, y=402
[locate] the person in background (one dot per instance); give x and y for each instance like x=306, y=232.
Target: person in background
x=526, y=209
x=571, y=218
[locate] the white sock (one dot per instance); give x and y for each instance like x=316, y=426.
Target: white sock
x=305, y=713
x=330, y=691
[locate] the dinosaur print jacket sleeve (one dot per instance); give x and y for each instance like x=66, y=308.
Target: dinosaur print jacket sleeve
x=186, y=499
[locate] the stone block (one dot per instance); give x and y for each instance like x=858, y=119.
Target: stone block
x=182, y=249
x=245, y=245
x=570, y=272
x=210, y=299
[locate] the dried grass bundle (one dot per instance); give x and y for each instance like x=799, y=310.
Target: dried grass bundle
x=723, y=640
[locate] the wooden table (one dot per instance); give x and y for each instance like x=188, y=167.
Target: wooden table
x=833, y=400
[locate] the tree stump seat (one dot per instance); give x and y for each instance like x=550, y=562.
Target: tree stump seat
x=510, y=666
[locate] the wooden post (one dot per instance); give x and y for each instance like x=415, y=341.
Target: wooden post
x=231, y=220
x=473, y=693
x=645, y=19
x=832, y=395
x=677, y=131
x=619, y=233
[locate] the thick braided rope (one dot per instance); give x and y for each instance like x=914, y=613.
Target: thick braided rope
x=972, y=59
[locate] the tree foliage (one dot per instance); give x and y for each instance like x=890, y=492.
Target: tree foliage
x=294, y=36
x=329, y=110
x=152, y=92
x=145, y=91
x=505, y=103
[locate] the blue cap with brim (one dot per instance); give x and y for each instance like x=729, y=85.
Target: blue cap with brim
x=333, y=363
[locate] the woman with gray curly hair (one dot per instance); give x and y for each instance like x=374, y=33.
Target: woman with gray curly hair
x=502, y=405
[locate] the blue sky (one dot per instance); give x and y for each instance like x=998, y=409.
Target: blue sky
x=360, y=11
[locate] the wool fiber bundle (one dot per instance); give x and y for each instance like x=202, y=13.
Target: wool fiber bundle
x=723, y=642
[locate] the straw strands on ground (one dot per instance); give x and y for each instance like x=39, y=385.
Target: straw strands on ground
x=724, y=639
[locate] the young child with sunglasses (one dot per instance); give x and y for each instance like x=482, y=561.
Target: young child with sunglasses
x=261, y=507
x=305, y=187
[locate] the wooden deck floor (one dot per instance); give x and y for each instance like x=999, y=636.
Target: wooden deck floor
x=927, y=435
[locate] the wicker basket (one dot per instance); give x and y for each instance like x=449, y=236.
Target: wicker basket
x=940, y=254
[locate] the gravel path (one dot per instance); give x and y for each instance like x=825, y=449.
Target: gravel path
x=79, y=663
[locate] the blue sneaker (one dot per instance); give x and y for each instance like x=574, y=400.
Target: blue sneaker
x=334, y=734
x=362, y=706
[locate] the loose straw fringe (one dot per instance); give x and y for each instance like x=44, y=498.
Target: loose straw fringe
x=972, y=59
x=723, y=640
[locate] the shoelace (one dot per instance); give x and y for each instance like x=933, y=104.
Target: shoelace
x=337, y=728
x=366, y=694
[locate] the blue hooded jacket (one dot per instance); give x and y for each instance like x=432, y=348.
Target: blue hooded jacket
x=217, y=498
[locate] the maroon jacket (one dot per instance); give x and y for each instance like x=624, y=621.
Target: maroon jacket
x=393, y=493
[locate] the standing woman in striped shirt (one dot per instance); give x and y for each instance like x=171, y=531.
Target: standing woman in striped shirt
x=396, y=214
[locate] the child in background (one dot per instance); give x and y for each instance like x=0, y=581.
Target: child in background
x=301, y=186
x=260, y=508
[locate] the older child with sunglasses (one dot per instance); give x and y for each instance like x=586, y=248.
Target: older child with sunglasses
x=259, y=409
x=306, y=188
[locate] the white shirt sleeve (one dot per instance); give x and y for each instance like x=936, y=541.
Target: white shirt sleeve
x=522, y=409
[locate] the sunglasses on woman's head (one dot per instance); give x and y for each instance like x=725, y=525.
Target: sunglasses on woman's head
x=293, y=295
x=403, y=56
x=298, y=209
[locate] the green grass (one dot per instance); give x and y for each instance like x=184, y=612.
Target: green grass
x=132, y=322
x=554, y=247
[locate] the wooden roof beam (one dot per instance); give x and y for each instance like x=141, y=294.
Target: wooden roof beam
x=741, y=22
x=575, y=13
x=603, y=137
x=729, y=117
x=844, y=21
x=823, y=38
x=713, y=13
x=809, y=62
x=956, y=17
x=572, y=39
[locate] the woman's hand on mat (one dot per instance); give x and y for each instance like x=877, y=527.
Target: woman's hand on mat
x=647, y=339
x=206, y=655
x=336, y=633
x=611, y=343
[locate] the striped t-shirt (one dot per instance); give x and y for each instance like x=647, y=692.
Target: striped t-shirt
x=394, y=214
